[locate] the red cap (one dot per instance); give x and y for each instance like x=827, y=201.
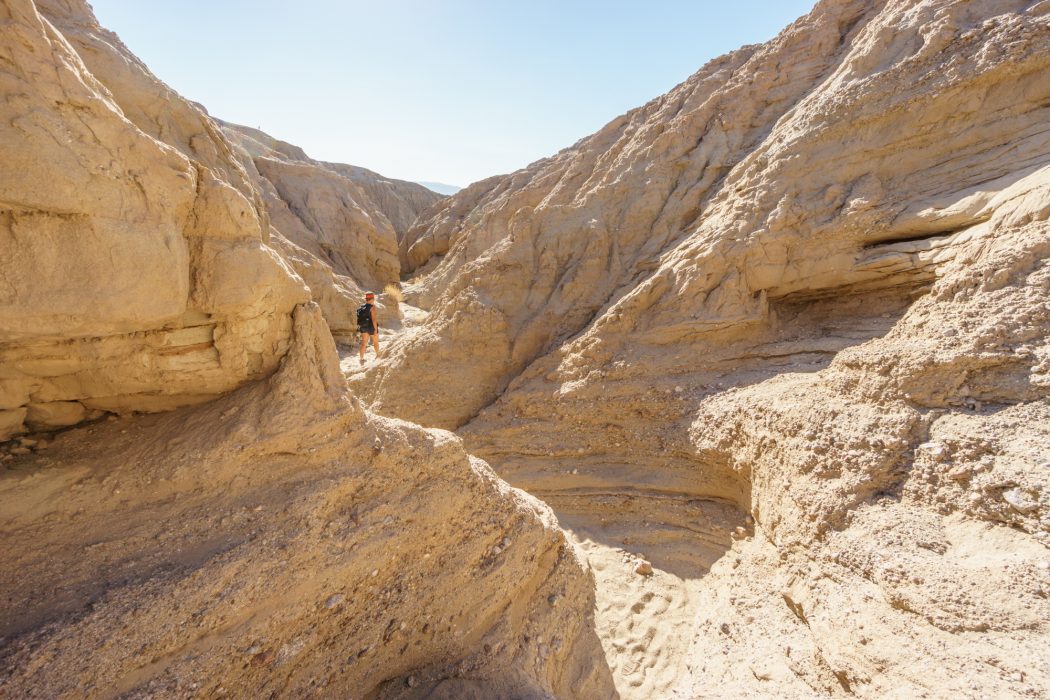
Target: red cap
x=370, y=296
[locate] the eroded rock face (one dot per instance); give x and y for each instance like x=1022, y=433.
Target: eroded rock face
x=280, y=539
x=283, y=540
x=773, y=348
x=809, y=284
x=137, y=274
x=805, y=165
x=319, y=210
x=148, y=263
x=336, y=224
x=402, y=202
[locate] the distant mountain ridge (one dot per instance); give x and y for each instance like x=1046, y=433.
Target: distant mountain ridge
x=440, y=187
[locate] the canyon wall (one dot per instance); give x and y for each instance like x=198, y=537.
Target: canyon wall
x=137, y=274
x=808, y=284
x=149, y=262
x=337, y=225
x=279, y=539
x=772, y=349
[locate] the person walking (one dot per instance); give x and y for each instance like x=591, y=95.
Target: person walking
x=367, y=325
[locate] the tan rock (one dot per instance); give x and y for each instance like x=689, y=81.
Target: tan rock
x=129, y=227
x=785, y=236
x=353, y=240
x=400, y=201
x=337, y=225
x=800, y=287
x=54, y=414
x=246, y=617
x=12, y=422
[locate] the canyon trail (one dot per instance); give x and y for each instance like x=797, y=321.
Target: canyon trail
x=745, y=395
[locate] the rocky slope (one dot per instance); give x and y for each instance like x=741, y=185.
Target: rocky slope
x=337, y=225
x=137, y=274
x=283, y=541
x=322, y=225
x=772, y=349
x=400, y=201
x=148, y=262
x=280, y=539
x=337, y=211
x=793, y=314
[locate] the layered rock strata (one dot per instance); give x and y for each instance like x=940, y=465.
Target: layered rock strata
x=147, y=262
x=137, y=274
x=773, y=348
x=807, y=285
x=336, y=224
x=281, y=540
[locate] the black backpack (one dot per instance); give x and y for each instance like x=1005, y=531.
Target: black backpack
x=364, y=315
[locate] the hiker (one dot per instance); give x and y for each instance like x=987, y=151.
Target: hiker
x=367, y=325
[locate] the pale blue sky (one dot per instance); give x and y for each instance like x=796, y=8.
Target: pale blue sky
x=450, y=91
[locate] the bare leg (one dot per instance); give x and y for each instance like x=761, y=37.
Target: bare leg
x=375, y=343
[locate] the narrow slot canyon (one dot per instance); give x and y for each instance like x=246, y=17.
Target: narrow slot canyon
x=746, y=394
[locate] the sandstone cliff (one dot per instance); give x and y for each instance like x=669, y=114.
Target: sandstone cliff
x=283, y=541
x=137, y=274
x=337, y=225
x=773, y=350
x=280, y=539
x=402, y=202
x=792, y=316
x=148, y=263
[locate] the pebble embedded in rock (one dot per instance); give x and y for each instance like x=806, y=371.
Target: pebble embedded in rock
x=1018, y=500
x=935, y=449
x=334, y=600
x=643, y=568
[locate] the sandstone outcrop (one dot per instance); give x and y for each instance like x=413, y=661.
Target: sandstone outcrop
x=148, y=262
x=400, y=201
x=793, y=314
x=281, y=540
x=773, y=350
x=137, y=274
x=336, y=224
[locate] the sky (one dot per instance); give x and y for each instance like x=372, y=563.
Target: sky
x=449, y=91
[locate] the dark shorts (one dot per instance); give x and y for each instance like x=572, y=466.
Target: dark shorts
x=369, y=330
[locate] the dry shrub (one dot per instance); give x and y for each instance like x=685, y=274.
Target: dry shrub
x=393, y=294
